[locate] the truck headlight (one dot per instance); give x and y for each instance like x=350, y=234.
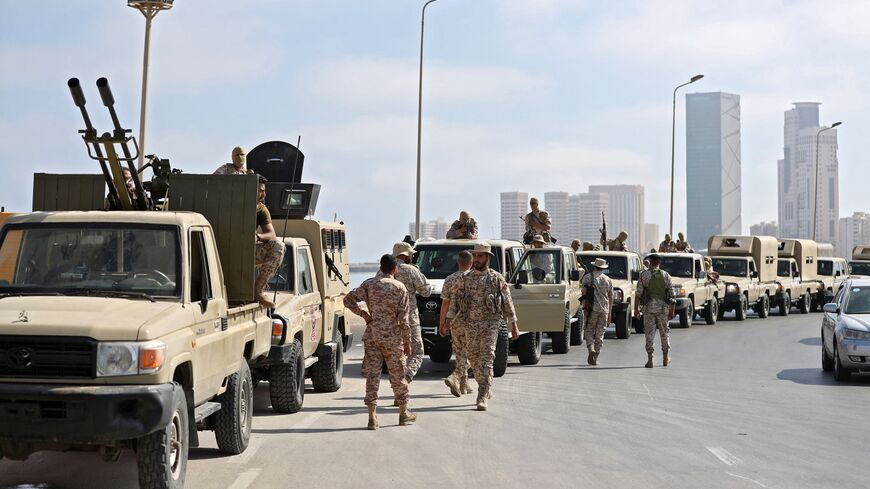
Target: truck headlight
x=732, y=289
x=854, y=334
x=617, y=295
x=117, y=358
x=679, y=291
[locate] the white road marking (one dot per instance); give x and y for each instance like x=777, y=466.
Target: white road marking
x=245, y=479
x=748, y=479
x=724, y=456
x=651, y=398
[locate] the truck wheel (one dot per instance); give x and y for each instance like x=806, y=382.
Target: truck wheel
x=577, y=329
x=232, y=428
x=529, y=348
x=502, y=345
x=764, y=307
x=637, y=324
x=721, y=314
x=687, y=314
x=785, y=304
x=804, y=303
x=162, y=455
x=441, y=353
x=815, y=303
x=711, y=311
x=561, y=341
x=623, y=324
x=287, y=382
x=741, y=308
x=327, y=373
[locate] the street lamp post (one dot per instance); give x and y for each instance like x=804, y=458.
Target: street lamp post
x=673, y=139
x=150, y=9
x=420, y=120
x=816, y=180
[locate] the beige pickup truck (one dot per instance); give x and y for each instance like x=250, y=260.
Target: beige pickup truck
x=623, y=269
x=747, y=265
x=695, y=294
x=790, y=292
x=859, y=265
x=805, y=254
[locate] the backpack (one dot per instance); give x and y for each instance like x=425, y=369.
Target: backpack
x=655, y=289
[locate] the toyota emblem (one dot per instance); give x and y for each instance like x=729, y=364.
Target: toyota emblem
x=21, y=358
x=431, y=306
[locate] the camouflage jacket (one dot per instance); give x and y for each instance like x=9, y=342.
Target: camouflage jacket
x=230, y=169
x=458, y=230
x=449, y=291
x=416, y=284
x=655, y=305
x=483, y=296
x=387, y=303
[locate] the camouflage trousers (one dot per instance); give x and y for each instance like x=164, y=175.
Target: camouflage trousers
x=459, y=340
x=651, y=322
x=267, y=257
x=480, y=340
x=593, y=330
x=416, y=358
x=376, y=353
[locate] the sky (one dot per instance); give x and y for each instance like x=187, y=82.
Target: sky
x=530, y=95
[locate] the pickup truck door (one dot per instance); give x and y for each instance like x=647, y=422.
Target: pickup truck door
x=309, y=301
x=539, y=293
x=702, y=291
x=209, y=314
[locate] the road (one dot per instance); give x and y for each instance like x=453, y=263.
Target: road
x=744, y=405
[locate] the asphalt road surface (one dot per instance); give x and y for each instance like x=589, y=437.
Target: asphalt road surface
x=743, y=405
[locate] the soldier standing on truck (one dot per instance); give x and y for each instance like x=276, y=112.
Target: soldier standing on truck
x=270, y=249
x=668, y=245
x=657, y=296
x=486, y=298
x=239, y=166
x=598, y=299
x=457, y=381
x=537, y=222
x=416, y=284
x=387, y=338
x=463, y=228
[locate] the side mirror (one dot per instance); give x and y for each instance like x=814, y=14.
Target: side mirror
x=837, y=273
x=575, y=276
x=203, y=304
x=702, y=274
x=522, y=279
x=831, y=308
x=635, y=275
x=753, y=274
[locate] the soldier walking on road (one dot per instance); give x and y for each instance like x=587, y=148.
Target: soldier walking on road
x=598, y=297
x=457, y=381
x=486, y=299
x=657, y=296
x=387, y=338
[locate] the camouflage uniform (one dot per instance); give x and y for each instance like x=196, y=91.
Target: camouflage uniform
x=416, y=284
x=667, y=247
x=230, y=169
x=539, y=223
x=385, y=336
x=268, y=254
x=460, y=230
x=485, y=298
x=457, y=326
x=656, y=312
x=597, y=322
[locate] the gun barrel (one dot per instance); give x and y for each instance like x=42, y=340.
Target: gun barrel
x=105, y=92
x=75, y=89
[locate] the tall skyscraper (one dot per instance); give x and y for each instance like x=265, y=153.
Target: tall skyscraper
x=797, y=180
x=764, y=229
x=556, y=203
x=713, y=196
x=625, y=211
x=514, y=205
x=590, y=208
x=651, y=237
x=854, y=231
x=574, y=211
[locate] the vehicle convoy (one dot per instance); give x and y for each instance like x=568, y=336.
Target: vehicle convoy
x=436, y=259
x=832, y=271
x=623, y=269
x=789, y=290
x=747, y=265
x=859, y=266
x=695, y=293
x=136, y=327
x=546, y=295
x=845, y=330
x=804, y=252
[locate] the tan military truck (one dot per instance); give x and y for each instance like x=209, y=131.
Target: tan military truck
x=805, y=254
x=695, y=293
x=790, y=292
x=832, y=271
x=859, y=266
x=623, y=269
x=546, y=295
x=747, y=265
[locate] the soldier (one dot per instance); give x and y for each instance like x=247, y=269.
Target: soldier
x=239, y=166
x=575, y=245
x=618, y=244
x=486, y=298
x=598, y=297
x=712, y=275
x=269, y=251
x=387, y=338
x=416, y=284
x=588, y=246
x=667, y=246
x=537, y=222
x=681, y=245
x=463, y=228
x=657, y=296
x=457, y=381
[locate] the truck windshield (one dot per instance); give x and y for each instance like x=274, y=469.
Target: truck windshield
x=541, y=267
x=731, y=267
x=859, y=268
x=783, y=268
x=826, y=268
x=438, y=262
x=677, y=266
x=90, y=260
x=617, y=266
x=859, y=301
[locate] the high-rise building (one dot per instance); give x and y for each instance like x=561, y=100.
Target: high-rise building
x=713, y=196
x=574, y=210
x=514, y=205
x=764, y=229
x=854, y=231
x=436, y=229
x=625, y=211
x=591, y=206
x=797, y=177
x=556, y=204
x=651, y=237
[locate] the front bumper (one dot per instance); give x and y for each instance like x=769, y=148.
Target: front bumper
x=731, y=301
x=83, y=414
x=681, y=303
x=854, y=354
x=430, y=316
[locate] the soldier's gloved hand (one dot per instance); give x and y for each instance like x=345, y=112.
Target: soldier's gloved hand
x=515, y=331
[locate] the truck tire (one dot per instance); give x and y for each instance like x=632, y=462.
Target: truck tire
x=815, y=303
x=687, y=314
x=711, y=311
x=740, y=312
x=441, y=353
x=327, y=373
x=287, y=382
x=637, y=324
x=529, y=348
x=502, y=345
x=785, y=304
x=764, y=307
x=623, y=323
x=561, y=341
x=804, y=303
x=577, y=329
x=232, y=424
x=162, y=455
